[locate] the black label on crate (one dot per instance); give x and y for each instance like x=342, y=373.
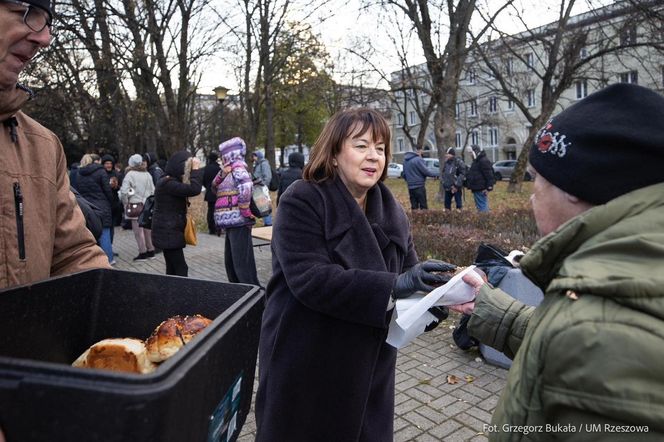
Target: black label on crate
x=223, y=422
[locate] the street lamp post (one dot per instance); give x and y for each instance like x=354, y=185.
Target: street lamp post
x=220, y=92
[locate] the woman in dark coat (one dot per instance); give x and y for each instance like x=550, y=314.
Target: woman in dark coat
x=341, y=251
x=94, y=185
x=182, y=179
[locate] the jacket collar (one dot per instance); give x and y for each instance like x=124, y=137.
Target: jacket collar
x=594, y=249
x=384, y=216
x=11, y=101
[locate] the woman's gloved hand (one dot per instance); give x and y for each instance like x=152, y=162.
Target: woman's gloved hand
x=420, y=279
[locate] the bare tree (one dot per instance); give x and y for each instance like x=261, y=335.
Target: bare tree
x=594, y=46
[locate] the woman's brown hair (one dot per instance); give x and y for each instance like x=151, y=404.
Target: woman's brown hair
x=342, y=125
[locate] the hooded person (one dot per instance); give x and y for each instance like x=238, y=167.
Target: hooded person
x=233, y=186
x=292, y=173
x=588, y=354
x=480, y=179
x=151, y=159
x=183, y=179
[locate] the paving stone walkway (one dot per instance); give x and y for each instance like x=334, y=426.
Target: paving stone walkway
x=427, y=407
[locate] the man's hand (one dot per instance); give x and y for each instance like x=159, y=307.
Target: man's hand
x=420, y=279
x=476, y=281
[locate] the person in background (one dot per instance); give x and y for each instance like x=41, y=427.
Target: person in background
x=292, y=173
x=136, y=187
x=73, y=174
x=588, y=355
x=263, y=174
x=210, y=170
x=454, y=174
x=151, y=165
x=115, y=181
x=415, y=172
x=480, y=179
x=182, y=179
x=233, y=186
x=341, y=253
x=93, y=185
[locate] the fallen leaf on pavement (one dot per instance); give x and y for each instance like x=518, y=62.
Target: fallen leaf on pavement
x=451, y=379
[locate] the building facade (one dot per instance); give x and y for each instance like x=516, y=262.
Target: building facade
x=503, y=79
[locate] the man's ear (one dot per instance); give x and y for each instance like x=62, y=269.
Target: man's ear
x=583, y=205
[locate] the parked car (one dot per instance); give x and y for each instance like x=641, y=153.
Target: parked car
x=433, y=165
x=504, y=169
x=394, y=170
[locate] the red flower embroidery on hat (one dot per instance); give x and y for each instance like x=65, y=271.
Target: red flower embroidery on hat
x=545, y=141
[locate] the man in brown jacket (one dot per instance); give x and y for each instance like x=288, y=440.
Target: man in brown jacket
x=42, y=230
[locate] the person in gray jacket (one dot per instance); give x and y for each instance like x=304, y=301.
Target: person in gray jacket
x=262, y=173
x=415, y=172
x=585, y=359
x=454, y=175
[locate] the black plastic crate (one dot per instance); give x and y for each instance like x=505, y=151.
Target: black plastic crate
x=202, y=393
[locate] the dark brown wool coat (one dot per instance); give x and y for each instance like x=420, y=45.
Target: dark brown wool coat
x=325, y=370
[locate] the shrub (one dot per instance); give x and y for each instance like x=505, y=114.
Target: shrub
x=455, y=235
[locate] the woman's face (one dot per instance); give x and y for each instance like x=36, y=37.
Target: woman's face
x=361, y=162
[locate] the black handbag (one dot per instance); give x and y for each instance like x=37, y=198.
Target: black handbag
x=145, y=218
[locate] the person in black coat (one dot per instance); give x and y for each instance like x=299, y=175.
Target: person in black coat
x=480, y=179
x=292, y=173
x=93, y=184
x=108, y=161
x=210, y=170
x=182, y=179
x=342, y=251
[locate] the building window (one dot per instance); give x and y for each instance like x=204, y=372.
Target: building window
x=628, y=35
x=581, y=89
x=473, y=108
x=530, y=60
x=413, y=117
x=493, y=136
x=398, y=95
x=509, y=65
x=630, y=77
x=530, y=94
x=475, y=137
x=400, y=120
x=583, y=53
x=493, y=104
x=663, y=76
x=457, y=140
x=472, y=76
x=510, y=104
x=399, y=144
x=457, y=110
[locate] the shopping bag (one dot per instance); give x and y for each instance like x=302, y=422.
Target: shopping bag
x=261, y=204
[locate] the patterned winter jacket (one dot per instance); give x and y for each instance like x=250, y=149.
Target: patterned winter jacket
x=233, y=186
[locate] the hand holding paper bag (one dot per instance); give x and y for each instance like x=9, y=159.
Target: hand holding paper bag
x=420, y=279
x=475, y=280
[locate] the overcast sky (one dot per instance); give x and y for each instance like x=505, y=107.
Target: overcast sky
x=345, y=22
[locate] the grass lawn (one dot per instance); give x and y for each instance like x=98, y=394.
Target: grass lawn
x=498, y=198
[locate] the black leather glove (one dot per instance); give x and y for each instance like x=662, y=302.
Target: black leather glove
x=420, y=279
x=440, y=313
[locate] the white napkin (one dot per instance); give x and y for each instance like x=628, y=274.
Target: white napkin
x=411, y=315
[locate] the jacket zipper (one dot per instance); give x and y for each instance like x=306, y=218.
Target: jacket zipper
x=18, y=203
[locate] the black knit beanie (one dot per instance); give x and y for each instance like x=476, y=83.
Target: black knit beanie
x=43, y=4
x=608, y=144
x=175, y=165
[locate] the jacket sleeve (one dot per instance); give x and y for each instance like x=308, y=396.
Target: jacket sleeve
x=185, y=190
x=124, y=189
x=499, y=320
x=460, y=173
x=487, y=172
x=74, y=248
x=597, y=373
x=422, y=167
